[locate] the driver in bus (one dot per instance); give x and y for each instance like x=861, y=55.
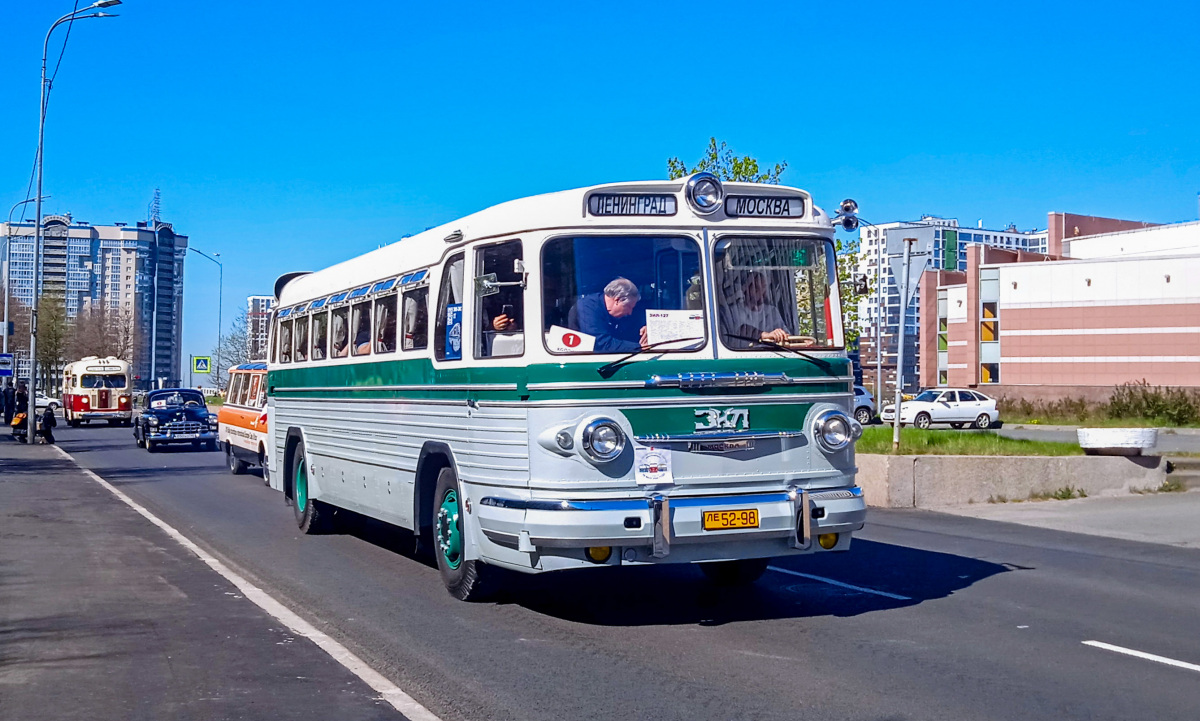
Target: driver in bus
x=752, y=316
x=610, y=317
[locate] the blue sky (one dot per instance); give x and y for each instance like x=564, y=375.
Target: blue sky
x=292, y=136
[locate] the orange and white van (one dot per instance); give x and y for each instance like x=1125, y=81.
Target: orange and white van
x=242, y=421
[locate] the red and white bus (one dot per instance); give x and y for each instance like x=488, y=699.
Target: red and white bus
x=97, y=389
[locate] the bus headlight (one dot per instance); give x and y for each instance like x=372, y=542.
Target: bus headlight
x=603, y=440
x=834, y=430
x=704, y=193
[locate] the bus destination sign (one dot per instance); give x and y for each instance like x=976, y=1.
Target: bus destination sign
x=631, y=204
x=763, y=206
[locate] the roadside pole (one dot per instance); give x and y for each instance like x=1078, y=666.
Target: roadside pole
x=908, y=243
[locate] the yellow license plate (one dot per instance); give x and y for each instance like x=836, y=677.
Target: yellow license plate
x=726, y=520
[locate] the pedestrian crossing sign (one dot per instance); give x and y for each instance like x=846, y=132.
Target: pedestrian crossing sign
x=201, y=364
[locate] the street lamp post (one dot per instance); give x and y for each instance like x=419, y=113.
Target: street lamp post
x=37, y=242
x=220, y=305
x=7, y=260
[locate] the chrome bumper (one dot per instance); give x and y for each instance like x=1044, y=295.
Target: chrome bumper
x=102, y=415
x=659, y=521
x=175, y=438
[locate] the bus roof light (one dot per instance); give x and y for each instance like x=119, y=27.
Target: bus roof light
x=704, y=193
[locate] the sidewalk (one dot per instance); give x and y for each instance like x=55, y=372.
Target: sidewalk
x=104, y=616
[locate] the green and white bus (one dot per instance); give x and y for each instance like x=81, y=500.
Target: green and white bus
x=633, y=373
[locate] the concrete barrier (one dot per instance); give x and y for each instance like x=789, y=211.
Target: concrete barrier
x=932, y=481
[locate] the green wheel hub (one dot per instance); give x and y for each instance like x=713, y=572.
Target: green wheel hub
x=449, y=535
x=301, y=486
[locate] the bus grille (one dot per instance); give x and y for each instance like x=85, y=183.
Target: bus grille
x=185, y=427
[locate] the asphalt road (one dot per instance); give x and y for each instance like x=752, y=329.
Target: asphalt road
x=935, y=617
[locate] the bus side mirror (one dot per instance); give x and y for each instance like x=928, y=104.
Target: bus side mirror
x=486, y=285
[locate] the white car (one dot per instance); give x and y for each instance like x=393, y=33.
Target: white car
x=41, y=400
x=864, y=406
x=957, y=406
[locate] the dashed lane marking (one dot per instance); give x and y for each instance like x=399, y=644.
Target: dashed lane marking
x=832, y=582
x=390, y=692
x=1143, y=655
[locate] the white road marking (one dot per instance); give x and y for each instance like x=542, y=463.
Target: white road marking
x=1143, y=655
x=830, y=581
x=389, y=691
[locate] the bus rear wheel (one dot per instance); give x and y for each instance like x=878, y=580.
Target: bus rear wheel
x=742, y=572
x=312, y=517
x=466, y=580
x=236, y=466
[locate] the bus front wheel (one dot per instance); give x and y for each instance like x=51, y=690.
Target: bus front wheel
x=465, y=579
x=312, y=517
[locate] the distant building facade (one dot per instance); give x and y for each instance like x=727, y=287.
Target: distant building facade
x=1117, y=307
x=950, y=252
x=258, y=323
x=134, y=274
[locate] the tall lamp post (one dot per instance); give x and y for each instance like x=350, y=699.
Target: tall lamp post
x=7, y=259
x=220, y=304
x=37, y=242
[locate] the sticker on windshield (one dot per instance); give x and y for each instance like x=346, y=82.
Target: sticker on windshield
x=666, y=326
x=565, y=340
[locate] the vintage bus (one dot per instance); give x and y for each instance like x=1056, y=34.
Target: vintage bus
x=96, y=389
x=634, y=373
x=242, y=429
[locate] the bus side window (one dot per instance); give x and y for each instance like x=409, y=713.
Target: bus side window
x=320, y=335
x=447, y=329
x=340, y=331
x=234, y=387
x=416, y=319
x=385, y=324
x=285, y=342
x=252, y=396
x=301, y=339
x=361, y=323
x=500, y=316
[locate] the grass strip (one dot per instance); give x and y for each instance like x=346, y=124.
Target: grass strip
x=913, y=441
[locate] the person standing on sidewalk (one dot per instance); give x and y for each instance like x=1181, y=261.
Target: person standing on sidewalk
x=10, y=402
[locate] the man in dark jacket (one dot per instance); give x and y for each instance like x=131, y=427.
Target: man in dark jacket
x=46, y=426
x=10, y=402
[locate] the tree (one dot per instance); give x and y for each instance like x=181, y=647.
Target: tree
x=97, y=331
x=53, y=336
x=719, y=160
x=233, y=349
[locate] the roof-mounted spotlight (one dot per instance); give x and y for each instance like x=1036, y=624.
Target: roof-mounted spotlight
x=704, y=193
x=847, y=215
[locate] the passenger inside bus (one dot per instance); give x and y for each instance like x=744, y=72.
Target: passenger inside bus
x=362, y=328
x=385, y=325
x=501, y=313
x=320, y=323
x=341, y=332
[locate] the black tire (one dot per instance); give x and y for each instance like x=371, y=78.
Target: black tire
x=983, y=422
x=956, y=425
x=863, y=415
x=313, y=517
x=266, y=469
x=128, y=422
x=923, y=421
x=236, y=466
x=466, y=580
x=151, y=446
x=735, y=573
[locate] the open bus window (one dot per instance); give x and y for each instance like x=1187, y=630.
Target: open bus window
x=360, y=321
x=340, y=332
x=416, y=319
x=285, y=342
x=320, y=335
x=597, y=292
x=385, y=324
x=301, y=339
x=776, y=290
x=501, y=313
x=447, y=333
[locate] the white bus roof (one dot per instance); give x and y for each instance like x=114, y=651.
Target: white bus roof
x=564, y=209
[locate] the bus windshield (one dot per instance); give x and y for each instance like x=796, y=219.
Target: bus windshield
x=93, y=380
x=776, y=291
x=612, y=294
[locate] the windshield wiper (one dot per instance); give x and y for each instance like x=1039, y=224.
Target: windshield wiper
x=607, y=370
x=824, y=364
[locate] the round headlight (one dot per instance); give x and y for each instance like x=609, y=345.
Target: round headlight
x=603, y=440
x=704, y=193
x=834, y=430
x=152, y=421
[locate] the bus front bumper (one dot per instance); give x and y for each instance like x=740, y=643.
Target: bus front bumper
x=102, y=415
x=665, y=528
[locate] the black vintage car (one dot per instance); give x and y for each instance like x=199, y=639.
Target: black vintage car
x=175, y=415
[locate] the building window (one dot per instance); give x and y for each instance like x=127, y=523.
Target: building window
x=989, y=372
x=989, y=324
x=943, y=334
x=943, y=378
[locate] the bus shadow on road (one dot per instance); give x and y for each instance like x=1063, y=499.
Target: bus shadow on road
x=871, y=577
